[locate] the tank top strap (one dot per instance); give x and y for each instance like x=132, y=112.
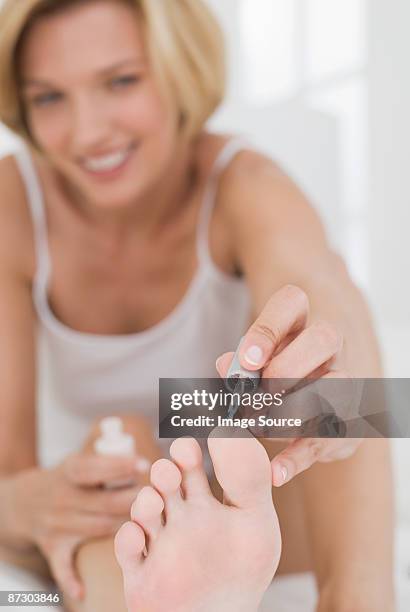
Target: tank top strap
x=37, y=210
x=224, y=158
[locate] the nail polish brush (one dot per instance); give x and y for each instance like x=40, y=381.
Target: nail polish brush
x=239, y=380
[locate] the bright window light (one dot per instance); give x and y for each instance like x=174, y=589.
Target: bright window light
x=335, y=36
x=267, y=32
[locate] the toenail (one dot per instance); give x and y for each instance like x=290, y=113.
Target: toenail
x=284, y=473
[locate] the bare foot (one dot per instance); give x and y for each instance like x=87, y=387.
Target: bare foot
x=185, y=551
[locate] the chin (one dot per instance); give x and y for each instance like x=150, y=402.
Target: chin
x=118, y=194
x=114, y=202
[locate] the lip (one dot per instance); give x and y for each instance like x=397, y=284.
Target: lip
x=111, y=174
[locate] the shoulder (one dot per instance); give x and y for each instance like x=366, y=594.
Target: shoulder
x=250, y=173
x=254, y=176
x=247, y=172
x=16, y=231
x=261, y=198
x=266, y=214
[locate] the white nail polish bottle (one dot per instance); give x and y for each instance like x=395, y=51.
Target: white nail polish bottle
x=115, y=442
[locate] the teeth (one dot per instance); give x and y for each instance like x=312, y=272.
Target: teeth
x=109, y=162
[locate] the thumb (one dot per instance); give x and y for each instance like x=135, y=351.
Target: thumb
x=223, y=362
x=64, y=571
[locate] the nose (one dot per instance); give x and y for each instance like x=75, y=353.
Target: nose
x=90, y=125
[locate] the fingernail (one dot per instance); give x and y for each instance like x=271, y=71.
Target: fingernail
x=217, y=363
x=280, y=474
x=254, y=355
x=142, y=465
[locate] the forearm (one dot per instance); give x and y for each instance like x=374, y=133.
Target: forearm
x=349, y=513
x=15, y=546
x=349, y=503
x=12, y=533
x=31, y=560
x=349, y=518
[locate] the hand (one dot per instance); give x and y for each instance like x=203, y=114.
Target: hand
x=61, y=508
x=280, y=343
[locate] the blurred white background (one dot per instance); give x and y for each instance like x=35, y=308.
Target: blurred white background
x=324, y=87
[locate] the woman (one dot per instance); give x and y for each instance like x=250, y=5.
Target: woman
x=143, y=246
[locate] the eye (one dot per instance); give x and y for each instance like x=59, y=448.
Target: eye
x=46, y=99
x=124, y=81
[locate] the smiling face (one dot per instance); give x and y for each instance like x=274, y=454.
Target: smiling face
x=92, y=104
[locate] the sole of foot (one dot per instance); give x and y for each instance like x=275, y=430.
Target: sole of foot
x=185, y=551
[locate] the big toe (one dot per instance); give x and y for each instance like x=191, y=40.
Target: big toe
x=242, y=467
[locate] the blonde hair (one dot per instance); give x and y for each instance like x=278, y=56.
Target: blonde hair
x=184, y=43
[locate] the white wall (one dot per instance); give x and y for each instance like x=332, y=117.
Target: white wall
x=389, y=128
x=7, y=140
x=227, y=13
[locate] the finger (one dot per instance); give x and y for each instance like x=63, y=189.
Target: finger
x=285, y=313
x=334, y=394
x=312, y=348
x=296, y=458
x=342, y=393
x=63, y=569
x=303, y=453
x=316, y=394
x=223, y=362
x=92, y=470
x=110, y=502
x=89, y=525
x=341, y=450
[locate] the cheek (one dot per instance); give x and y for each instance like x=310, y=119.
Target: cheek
x=149, y=113
x=49, y=129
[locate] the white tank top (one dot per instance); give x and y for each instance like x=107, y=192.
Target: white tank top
x=84, y=376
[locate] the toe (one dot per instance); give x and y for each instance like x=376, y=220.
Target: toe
x=129, y=544
x=147, y=511
x=166, y=478
x=187, y=454
x=242, y=468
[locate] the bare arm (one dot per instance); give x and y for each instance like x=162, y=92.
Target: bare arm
x=17, y=369
x=45, y=515
x=17, y=366
x=280, y=241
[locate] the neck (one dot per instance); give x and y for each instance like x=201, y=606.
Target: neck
x=161, y=204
